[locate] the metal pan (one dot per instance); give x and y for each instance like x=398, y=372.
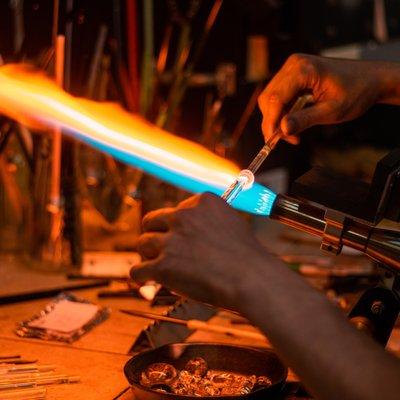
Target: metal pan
x=232, y=358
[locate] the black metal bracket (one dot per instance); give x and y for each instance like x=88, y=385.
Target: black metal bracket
x=377, y=310
x=368, y=202
x=347, y=200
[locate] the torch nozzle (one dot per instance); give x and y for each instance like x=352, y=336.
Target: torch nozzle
x=382, y=245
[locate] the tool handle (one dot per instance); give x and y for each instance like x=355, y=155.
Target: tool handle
x=194, y=324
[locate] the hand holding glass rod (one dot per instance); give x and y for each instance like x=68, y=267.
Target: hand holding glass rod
x=246, y=177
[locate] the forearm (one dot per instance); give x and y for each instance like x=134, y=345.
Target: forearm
x=388, y=74
x=333, y=360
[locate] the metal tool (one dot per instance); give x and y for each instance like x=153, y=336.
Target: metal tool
x=8, y=356
x=33, y=381
x=245, y=178
x=344, y=212
x=195, y=324
x=24, y=394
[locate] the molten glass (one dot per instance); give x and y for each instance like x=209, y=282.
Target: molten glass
x=31, y=98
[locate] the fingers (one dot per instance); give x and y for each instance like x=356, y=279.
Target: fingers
x=208, y=199
x=147, y=271
x=275, y=100
x=318, y=114
x=198, y=203
x=272, y=109
x=295, y=140
x=151, y=245
x=297, y=75
x=159, y=220
x=190, y=202
x=160, y=270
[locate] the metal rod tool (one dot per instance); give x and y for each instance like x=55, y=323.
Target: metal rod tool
x=194, y=324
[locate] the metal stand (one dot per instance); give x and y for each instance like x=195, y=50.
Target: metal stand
x=344, y=212
x=377, y=310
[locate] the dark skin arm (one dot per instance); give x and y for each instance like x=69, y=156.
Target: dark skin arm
x=342, y=90
x=204, y=250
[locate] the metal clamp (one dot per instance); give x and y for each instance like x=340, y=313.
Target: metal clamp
x=332, y=237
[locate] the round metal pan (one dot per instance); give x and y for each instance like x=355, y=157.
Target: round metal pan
x=232, y=358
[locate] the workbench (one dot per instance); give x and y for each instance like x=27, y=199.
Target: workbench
x=99, y=356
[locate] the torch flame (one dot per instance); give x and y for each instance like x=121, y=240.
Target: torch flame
x=29, y=97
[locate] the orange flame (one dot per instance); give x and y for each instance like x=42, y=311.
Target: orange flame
x=29, y=97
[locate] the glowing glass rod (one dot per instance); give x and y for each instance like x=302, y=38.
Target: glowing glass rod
x=245, y=179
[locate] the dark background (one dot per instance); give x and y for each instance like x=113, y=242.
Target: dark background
x=291, y=26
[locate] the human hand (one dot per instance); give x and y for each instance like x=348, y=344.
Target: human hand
x=202, y=249
x=341, y=89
